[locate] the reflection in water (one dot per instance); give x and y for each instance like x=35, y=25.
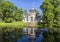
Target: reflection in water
x=39, y=39
x=38, y=32
x=26, y=39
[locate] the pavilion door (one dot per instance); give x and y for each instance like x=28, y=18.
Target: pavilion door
x=31, y=19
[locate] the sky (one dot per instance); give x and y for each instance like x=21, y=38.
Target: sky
x=28, y=4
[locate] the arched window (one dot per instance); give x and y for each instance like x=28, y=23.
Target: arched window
x=27, y=19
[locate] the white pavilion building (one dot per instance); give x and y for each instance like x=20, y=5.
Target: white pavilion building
x=33, y=16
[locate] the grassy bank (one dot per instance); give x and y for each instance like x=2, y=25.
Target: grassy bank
x=14, y=25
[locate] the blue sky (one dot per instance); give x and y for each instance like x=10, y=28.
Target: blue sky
x=28, y=4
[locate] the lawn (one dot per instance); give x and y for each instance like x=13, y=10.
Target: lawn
x=14, y=25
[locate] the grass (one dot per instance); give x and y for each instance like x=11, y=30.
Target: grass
x=14, y=25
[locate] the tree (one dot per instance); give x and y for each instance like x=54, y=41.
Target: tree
x=18, y=15
x=51, y=15
x=47, y=9
x=25, y=12
x=56, y=11
x=1, y=10
x=7, y=9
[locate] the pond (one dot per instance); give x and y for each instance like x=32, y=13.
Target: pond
x=39, y=36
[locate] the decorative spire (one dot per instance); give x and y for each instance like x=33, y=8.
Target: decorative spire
x=33, y=4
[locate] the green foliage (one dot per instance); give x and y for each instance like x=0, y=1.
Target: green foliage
x=51, y=17
x=47, y=9
x=10, y=34
x=18, y=15
x=51, y=13
x=9, y=12
x=48, y=37
x=25, y=12
x=9, y=20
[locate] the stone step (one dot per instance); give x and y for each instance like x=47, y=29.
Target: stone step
x=31, y=25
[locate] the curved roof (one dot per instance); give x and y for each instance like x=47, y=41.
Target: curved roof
x=32, y=8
